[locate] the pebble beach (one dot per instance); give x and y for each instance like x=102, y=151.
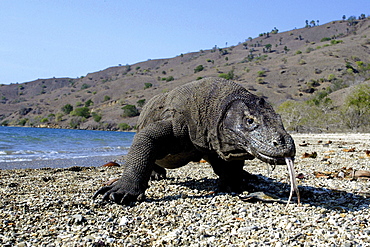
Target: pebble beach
x=54, y=206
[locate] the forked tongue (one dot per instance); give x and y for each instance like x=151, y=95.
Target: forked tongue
x=293, y=181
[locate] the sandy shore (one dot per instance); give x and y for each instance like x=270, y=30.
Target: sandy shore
x=61, y=163
x=53, y=206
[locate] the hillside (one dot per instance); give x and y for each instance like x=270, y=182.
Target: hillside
x=291, y=65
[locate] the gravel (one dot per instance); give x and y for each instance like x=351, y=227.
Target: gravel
x=53, y=206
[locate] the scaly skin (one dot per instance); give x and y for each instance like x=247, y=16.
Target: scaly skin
x=214, y=119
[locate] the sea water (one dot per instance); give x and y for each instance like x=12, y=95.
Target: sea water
x=18, y=144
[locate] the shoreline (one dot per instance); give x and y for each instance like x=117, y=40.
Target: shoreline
x=95, y=161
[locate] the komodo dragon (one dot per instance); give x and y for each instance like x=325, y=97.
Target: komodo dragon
x=214, y=119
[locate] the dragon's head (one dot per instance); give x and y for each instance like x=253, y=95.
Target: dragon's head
x=251, y=128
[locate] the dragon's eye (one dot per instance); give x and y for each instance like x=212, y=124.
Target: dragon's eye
x=250, y=120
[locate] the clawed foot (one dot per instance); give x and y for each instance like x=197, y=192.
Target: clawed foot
x=117, y=194
x=158, y=173
x=236, y=184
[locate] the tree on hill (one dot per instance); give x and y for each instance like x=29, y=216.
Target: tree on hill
x=67, y=108
x=352, y=20
x=198, y=68
x=81, y=112
x=356, y=112
x=130, y=111
x=268, y=47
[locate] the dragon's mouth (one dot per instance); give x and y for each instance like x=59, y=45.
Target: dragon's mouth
x=238, y=155
x=273, y=160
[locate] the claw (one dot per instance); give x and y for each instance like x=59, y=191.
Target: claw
x=102, y=191
x=113, y=197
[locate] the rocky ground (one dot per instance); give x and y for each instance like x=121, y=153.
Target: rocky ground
x=53, y=207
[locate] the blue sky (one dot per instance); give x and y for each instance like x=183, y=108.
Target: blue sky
x=53, y=38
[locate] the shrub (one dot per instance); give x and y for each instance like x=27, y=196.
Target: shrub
x=5, y=123
x=331, y=77
x=325, y=39
x=309, y=49
x=89, y=103
x=23, y=121
x=44, y=120
x=58, y=117
x=75, y=122
x=334, y=42
x=356, y=110
x=228, y=76
x=147, y=85
x=81, y=112
x=67, y=108
x=198, y=68
x=261, y=73
x=141, y=102
x=298, y=52
x=302, y=62
x=170, y=78
x=124, y=126
x=84, y=86
x=129, y=111
x=96, y=117
x=260, y=80
x=106, y=98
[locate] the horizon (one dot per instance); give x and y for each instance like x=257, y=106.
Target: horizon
x=43, y=39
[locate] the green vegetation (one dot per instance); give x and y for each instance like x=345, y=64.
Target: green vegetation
x=84, y=86
x=89, y=103
x=5, y=123
x=147, y=85
x=75, y=122
x=67, y=108
x=58, y=117
x=302, y=62
x=334, y=41
x=357, y=108
x=260, y=80
x=97, y=117
x=319, y=113
x=167, y=79
x=228, y=76
x=23, y=121
x=141, y=102
x=309, y=49
x=331, y=77
x=81, y=112
x=261, y=73
x=268, y=47
x=106, y=98
x=198, y=68
x=325, y=39
x=129, y=111
x=44, y=120
x=124, y=126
